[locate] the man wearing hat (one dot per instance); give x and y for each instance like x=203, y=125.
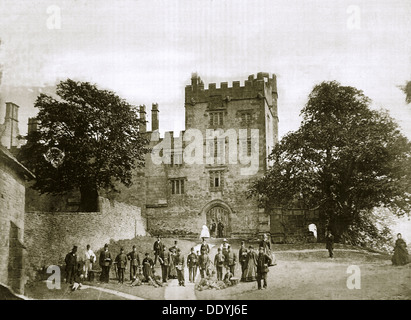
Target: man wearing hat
x=121, y=261
x=105, y=262
x=157, y=248
x=165, y=260
x=134, y=263
x=263, y=261
x=71, y=265
x=192, y=265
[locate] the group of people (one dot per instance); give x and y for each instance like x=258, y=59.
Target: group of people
x=254, y=266
x=254, y=263
x=79, y=267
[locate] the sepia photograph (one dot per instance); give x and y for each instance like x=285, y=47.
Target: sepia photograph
x=215, y=151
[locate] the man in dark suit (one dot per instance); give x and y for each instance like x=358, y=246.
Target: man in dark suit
x=219, y=264
x=263, y=261
x=121, y=261
x=203, y=264
x=220, y=229
x=242, y=257
x=71, y=265
x=105, y=262
x=192, y=265
x=329, y=243
x=134, y=263
x=165, y=259
x=230, y=260
x=213, y=228
x=157, y=248
x=205, y=246
x=179, y=263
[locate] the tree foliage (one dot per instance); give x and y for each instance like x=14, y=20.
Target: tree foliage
x=345, y=159
x=407, y=90
x=95, y=130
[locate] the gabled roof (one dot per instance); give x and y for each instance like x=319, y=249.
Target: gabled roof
x=8, y=158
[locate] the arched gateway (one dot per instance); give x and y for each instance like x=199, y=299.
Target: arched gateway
x=218, y=210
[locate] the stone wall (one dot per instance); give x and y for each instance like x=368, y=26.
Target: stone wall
x=12, y=192
x=49, y=236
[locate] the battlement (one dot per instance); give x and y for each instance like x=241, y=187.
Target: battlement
x=260, y=84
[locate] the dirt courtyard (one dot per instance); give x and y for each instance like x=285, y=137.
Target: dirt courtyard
x=303, y=272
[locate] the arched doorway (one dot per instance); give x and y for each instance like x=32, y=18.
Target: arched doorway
x=219, y=211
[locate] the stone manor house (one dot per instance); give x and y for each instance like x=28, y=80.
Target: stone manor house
x=174, y=198
x=178, y=198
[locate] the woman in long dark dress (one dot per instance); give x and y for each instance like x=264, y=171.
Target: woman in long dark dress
x=249, y=273
x=148, y=266
x=400, y=256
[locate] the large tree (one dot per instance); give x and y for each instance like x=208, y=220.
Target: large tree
x=87, y=139
x=345, y=159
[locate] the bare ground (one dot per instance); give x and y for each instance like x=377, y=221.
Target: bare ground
x=302, y=272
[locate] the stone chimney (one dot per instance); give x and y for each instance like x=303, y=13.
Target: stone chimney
x=143, y=125
x=10, y=128
x=33, y=125
x=154, y=117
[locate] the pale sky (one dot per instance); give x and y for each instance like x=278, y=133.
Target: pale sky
x=145, y=51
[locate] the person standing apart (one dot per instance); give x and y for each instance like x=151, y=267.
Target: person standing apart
x=121, y=261
x=329, y=244
x=105, y=262
x=179, y=263
x=89, y=259
x=71, y=265
x=400, y=256
x=219, y=264
x=157, y=248
x=263, y=261
x=192, y=265
x=134, y=263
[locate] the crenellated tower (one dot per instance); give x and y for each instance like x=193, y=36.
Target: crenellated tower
x=251, y=106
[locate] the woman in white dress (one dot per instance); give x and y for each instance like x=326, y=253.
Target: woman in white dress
x=205, y=233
